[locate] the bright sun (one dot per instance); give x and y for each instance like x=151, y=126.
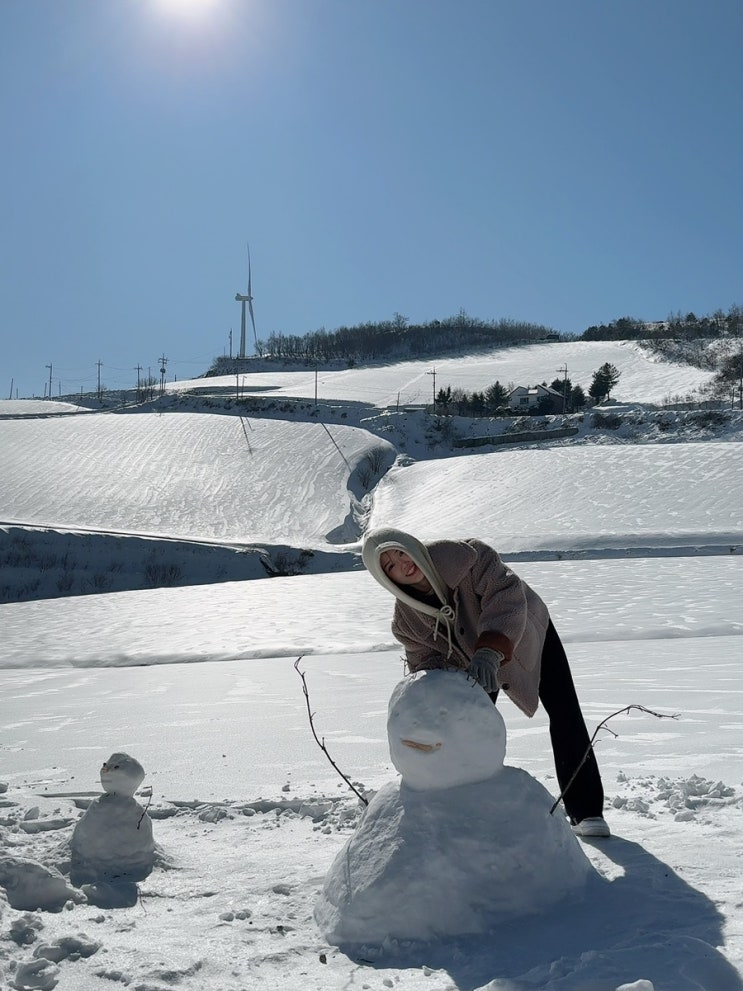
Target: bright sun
x=187, y=8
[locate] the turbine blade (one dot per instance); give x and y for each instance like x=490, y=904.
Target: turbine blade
x=252, y=319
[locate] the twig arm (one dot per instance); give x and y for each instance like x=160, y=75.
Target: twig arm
x=321, y=743
x=602, y=725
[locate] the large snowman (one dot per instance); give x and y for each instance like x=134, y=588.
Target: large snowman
x=461, y=842
x=112, y=845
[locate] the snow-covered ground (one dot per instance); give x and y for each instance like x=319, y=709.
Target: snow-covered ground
x=634, y=546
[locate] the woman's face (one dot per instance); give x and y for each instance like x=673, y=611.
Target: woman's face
x=402, y=569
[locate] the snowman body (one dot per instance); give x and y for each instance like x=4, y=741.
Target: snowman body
x=113, y=843
x=461, y=843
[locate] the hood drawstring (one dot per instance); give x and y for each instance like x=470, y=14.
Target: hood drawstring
x=447, y=614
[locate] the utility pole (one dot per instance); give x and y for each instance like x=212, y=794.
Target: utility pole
x=99, y=363
x=138, y=369
x=50, y=380
x=230, y=343
x=564, y=386
x=433, y=372
x=163, y=363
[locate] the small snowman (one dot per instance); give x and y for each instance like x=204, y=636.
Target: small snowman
x=461, y=843
x=112, y=845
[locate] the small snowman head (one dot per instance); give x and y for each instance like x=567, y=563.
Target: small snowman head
x=444, y=731
x=121, y=775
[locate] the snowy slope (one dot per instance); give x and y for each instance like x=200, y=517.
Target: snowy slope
x=36, y=407
x=574, y=499
x=182, y=474
x=643, y=377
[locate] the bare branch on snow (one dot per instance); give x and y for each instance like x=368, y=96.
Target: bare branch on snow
x=602, y=725
x=321, y=743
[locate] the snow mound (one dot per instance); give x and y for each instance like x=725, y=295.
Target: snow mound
x=449, y=862
x=462, y=843
x=687, y=799
x=30, y=885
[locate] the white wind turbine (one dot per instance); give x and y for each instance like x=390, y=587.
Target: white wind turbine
x=248, y=298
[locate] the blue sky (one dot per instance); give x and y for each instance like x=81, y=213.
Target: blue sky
x=564, y=163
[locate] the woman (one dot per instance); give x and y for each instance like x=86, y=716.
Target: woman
x=459, y=606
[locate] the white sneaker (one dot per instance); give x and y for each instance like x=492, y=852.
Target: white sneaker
x=595, y=826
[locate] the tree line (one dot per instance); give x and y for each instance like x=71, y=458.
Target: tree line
x=397, y=339
x=686, y=338
x=564, y=397
x=678, y=326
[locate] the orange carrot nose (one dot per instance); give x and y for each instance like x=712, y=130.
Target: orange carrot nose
x=425, y=747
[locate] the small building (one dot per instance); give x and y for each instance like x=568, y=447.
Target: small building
x=525, y=399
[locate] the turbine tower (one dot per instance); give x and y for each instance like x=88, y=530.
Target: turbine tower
x=248, y=298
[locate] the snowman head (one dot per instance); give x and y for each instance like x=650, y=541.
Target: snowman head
x=121, y=774
x=444, y=731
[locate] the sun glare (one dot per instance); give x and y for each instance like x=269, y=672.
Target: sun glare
x=187, y=8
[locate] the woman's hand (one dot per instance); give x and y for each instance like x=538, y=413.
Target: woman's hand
x=484, y=667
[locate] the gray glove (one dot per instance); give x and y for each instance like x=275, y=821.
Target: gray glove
x=484, y=667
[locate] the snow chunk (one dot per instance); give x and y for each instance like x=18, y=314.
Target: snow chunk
x=39, y=975
x=30, y=886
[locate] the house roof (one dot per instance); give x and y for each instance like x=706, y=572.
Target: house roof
x=535, y=390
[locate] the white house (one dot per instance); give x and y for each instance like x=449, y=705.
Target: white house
x=525, y=398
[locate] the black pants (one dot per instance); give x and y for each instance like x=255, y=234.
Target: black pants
x=570, y=739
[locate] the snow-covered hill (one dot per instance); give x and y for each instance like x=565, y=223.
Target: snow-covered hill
x=188, y=475
x=644, y=377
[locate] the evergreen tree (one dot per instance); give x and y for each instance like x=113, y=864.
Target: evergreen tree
x=565, y=387
x=577, y=397
x=604, y=381
x=496, y=396
x=443, y=398
x=477, y=404
x=544, y=406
